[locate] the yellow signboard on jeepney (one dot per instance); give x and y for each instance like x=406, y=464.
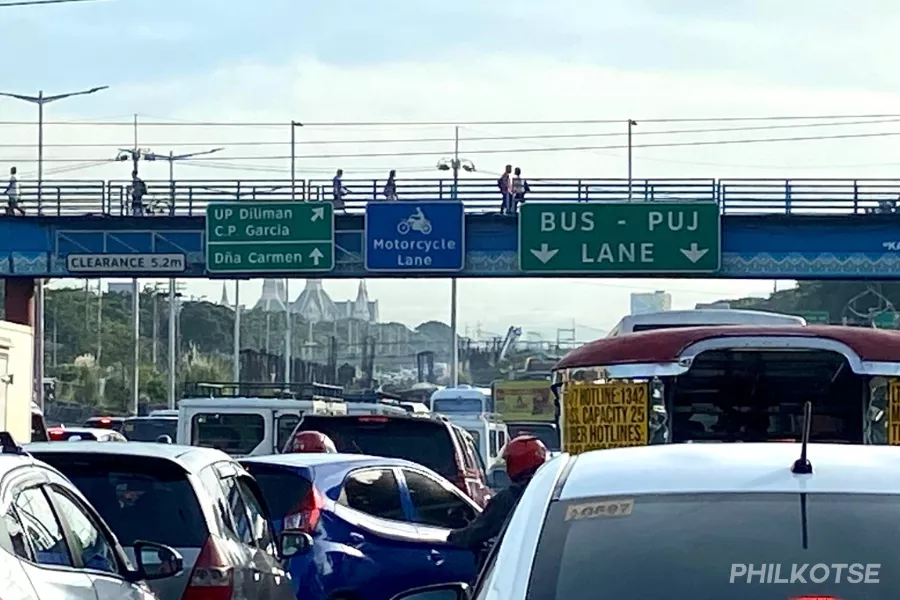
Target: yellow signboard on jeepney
x=524, y=401
x=893, y=411
x=605, y=415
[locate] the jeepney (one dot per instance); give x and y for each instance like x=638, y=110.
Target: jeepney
x=730, y=384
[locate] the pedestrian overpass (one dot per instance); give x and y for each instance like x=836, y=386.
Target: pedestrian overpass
x=741, y=228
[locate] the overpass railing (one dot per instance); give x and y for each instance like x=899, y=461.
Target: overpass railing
x=65, y=198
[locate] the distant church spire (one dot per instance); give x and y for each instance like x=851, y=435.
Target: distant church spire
x=224, y=301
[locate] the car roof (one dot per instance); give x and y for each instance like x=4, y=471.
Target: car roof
x=105, y=419
x=153, y=417
x=191, y=458
x=8, y=462
x=308, y=459
x=732, y=468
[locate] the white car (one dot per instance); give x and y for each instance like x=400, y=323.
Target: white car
x=700, y=521
x=54, y=545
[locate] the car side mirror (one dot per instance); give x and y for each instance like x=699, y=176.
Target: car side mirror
x=443, y=591
x=156, y=561
x=293, y=542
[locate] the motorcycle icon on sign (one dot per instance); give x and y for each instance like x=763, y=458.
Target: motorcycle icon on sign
x=415, y=222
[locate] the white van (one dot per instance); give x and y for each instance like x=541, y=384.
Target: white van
x=702, y=317
x=246, y=426
x=461, y=399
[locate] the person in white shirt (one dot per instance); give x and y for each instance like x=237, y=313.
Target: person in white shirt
x=12, y=195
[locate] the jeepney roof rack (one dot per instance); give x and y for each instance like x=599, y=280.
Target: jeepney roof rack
x=281, y=390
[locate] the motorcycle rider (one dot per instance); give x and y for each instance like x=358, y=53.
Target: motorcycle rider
x=523, y=455
x=310, y=441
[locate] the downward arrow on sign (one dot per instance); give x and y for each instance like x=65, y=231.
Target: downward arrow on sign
x=316, y=255
x=694, y=253
x=544, y=254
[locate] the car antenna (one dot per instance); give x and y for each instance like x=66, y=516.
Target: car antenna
x=802, y=466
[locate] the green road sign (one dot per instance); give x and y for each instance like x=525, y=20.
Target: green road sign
x=611, y=238
x=271, y=237
x=816, y=317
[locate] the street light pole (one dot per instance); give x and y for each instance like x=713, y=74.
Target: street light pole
x=294, y=126
x=172, y=316
x=455, y=164
x=236, y=366
x=631, y=123
x=39, y=296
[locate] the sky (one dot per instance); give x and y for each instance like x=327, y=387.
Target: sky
x=177, y=62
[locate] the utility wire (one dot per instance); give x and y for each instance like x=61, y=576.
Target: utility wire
x=483, y=138
x=506, y=150
x=460, y=123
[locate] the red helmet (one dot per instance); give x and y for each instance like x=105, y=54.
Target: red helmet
x=310, y=441
x=523, y=455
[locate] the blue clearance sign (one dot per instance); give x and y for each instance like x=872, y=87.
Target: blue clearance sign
x=415, y=236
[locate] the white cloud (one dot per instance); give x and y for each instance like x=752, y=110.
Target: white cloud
x=481, y=88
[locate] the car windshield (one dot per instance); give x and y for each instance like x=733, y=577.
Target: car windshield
x=148, y=429
x=423, y=441
x=545, y=432
x=735, y=546
x=140, y=498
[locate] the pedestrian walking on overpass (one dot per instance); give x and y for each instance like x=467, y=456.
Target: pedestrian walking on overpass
x=519, y=189
x=12, y=195
x=338, y=190
x=138, y=191
x=505, y=185
x=390, y=188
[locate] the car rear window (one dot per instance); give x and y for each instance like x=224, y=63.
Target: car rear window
x=420, y=440
x=282, y=487
x=735, y=546
x=149, y=429
x=68, y=435
x=234, y=433
x=140, y=498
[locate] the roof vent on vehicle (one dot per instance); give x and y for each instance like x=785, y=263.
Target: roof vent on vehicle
x=802, y=466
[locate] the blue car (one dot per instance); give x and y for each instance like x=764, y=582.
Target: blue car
x=378, y=525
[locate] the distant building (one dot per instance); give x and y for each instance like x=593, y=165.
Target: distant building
x=314, y=305
x=650, y=302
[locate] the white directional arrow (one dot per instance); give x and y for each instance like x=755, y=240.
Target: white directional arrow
x=316, y=255
x=318, y=213
x=694, y=253
x=544, y=254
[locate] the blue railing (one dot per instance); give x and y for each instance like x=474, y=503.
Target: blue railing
x=735, y=196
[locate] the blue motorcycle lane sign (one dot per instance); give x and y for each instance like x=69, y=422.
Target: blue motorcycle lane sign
x=415, y=236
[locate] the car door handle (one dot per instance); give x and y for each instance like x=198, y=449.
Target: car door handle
x=436, y=557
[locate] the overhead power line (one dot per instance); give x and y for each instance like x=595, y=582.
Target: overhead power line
x=460, y=123
x=449, y=140
x=506, y=150
x=39, y=2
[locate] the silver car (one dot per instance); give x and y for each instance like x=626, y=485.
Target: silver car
x=196, y=500
x=54, y=545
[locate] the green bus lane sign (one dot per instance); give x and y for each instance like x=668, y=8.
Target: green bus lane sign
x=620, y=238
x=269, y=237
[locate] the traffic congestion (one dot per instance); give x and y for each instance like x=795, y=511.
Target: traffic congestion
x=686, y=456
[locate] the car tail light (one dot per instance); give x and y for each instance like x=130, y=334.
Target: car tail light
x=55, y=433
x=305, y=514
x=212, y=578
